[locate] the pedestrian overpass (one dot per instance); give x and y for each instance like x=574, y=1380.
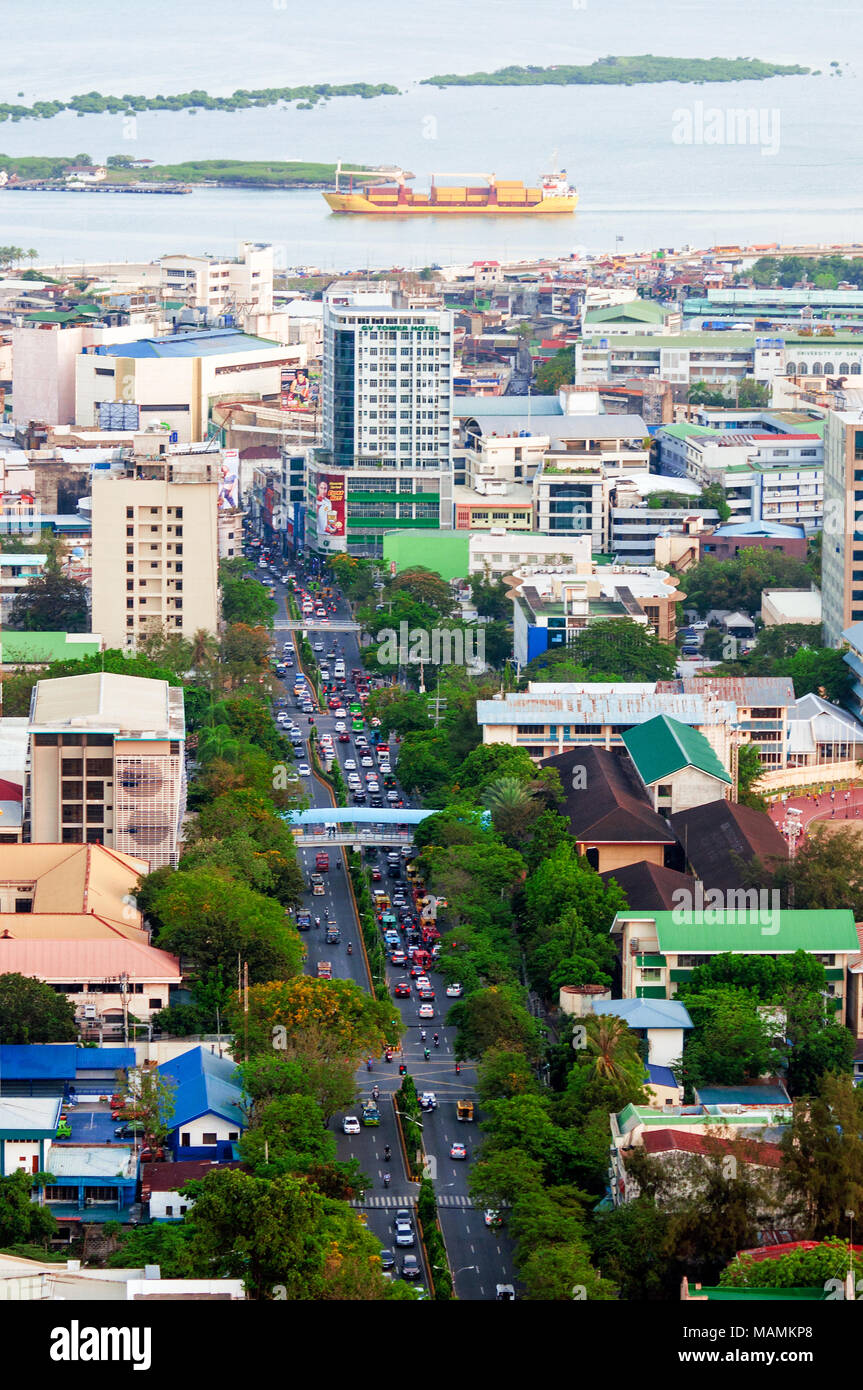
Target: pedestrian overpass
x=315, y=625
x=353, y=826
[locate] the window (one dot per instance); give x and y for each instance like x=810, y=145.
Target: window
x=211, y=1138
x=664, y=790
x=185, y=1141
x=169, y=1211
x=233, y=1135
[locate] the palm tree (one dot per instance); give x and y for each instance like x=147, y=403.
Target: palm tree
x=511, y=804
x=612, y=1046
x=218, y=742
x=205, y=648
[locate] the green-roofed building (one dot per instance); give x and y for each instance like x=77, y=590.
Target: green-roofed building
x=41, y=648
x=677, y=764
x=716, y=1294
x=659, y=950
x=635, y=316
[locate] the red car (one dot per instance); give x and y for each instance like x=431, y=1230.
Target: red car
x=376, y=876
x=344, y=738
x=402, y=990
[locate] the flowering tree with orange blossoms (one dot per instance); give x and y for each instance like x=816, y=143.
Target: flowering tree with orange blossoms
x=319, y=1020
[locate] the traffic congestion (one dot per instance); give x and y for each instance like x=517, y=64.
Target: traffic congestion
x=478, y=1248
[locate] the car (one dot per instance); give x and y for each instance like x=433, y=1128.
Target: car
x=304, y=770
x=331, y=656
x=341, y=727
x=344, y=738
x=426, y=992
x=398, y=958
x=426, y=1011
x=319, y=646
x=359, y=798
x=366, y=761
x=130, y=1130
x=386, y=771
x=493, y=1219
x=402, y=990
x=388, y=1259
x=457, y=1150
x=404, y=1233
x=350, y=765
x=377, y=876
x=428, y=1100
x=454, y=991
x=411, y=1267
x=376, y=801
x=340, y=713
x=423, y=981
x=393, y=796
x=350, y=1125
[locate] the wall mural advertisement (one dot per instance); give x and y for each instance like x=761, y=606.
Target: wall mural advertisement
x=330, y=511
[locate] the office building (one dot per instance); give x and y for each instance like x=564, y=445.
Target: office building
x=155, y=548
x=236, y=285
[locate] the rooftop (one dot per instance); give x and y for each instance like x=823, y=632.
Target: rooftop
x=662, y=746
x=646, y=1013
x=131, y=706
x=755, y=932
x=210, y=342
x=720, y=836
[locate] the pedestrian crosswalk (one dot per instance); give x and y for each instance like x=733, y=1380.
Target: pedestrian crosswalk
x=378, y=1200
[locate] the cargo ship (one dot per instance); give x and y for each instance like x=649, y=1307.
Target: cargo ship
x=391, y=195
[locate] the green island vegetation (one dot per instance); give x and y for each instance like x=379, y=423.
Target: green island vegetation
x=624, y=72
x=123, y=169
x=95, y=104
x=628, y=71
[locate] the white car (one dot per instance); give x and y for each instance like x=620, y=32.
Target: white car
x=350, y=765
x=304, y=770
x=366, y=761
x=385, y=770
x=341, y=727
x=373, y=788
x=351, y=1125
x=341, y=714
x=454, y=991
x=426, y=1010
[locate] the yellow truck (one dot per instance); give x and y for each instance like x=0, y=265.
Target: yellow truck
x=464, y=1109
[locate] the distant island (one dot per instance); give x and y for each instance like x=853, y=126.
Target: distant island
x=95, y=104
x=121, y=169
x=624, y=72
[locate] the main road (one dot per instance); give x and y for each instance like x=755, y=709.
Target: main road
x=480, y=1257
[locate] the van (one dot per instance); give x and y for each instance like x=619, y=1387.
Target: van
x=339, y=670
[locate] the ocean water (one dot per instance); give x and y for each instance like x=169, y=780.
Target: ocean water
x=655, y=165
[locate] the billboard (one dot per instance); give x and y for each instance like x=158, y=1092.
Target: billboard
x=229, y=479
x=297, y=391
x=330, y=507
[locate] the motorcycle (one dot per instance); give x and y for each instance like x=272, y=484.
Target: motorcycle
x=350, y=949
x=376, y=1091
x=386, y=1179
x=369, y=1064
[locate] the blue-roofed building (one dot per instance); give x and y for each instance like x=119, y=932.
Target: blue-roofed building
x=174, y=380
x=662, y=1022
x=61, y=1069
x=207, y=1101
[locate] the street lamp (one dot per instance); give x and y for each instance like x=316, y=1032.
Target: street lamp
x=456, y=1272
x=418, y=1123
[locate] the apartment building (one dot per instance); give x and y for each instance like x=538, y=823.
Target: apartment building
x=107, y=764
x=644, y=317
x=238, y=285
x=386, y=460
x=766, y=476
x=155, y=548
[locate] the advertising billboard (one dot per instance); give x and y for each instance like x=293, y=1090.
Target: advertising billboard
x=297, y=391
x=229, y=479
x=330, y=508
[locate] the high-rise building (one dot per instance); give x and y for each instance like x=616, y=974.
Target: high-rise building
x=155, y=549
x=842, y=552
x=107, y=764
x=386, y=460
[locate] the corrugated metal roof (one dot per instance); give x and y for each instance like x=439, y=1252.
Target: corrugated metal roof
x=715, y=930
x=584, y=708
x=204, y=1082
x=77, y=960
x=210, y=343
x=662, y=746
